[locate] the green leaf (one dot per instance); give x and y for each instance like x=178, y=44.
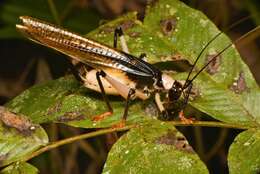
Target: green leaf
x=153, y=148
x=243, y=156
x=66, y=100
x=78, y=19
x=18, y=137
x=173, y=31
x=20, y=168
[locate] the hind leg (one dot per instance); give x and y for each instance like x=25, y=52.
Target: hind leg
x=110, y=109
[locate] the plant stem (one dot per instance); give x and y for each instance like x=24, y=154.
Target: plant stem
x=216, y=147
x=56, y=144
x=211, y=124
x=198, y=141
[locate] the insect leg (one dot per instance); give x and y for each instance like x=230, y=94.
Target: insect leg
x=158, y=102
x=102, y=73
x=129, y=96
x=100, y=84
x=163, y=112
x=124, y=90
x=185, y=102
x=142, y=56
x=119, y=33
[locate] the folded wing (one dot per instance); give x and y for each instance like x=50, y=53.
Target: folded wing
x=82, y=49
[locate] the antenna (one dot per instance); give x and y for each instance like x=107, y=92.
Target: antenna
x=228, y=46
x=187, y=81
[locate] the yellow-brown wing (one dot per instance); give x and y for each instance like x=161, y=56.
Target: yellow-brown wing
x=82, y=49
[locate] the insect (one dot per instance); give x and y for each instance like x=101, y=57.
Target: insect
x=112, y=71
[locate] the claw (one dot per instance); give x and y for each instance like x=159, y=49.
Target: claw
x=184, y=119
x=101, y=116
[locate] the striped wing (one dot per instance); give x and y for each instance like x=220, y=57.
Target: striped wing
x=82, y=49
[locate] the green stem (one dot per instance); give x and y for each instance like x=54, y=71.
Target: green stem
x=217, y=146
x=56, y=144
x=211, y=124
x=199, y=141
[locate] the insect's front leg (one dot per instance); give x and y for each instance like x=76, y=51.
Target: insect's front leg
x=164, y=115
x=176, y=108
x=159, y=103
x=185, y=102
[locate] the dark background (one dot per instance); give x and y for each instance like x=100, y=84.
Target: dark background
x=23, y=64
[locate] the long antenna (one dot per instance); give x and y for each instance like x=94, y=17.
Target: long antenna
x=204, y=48
x=228, y=46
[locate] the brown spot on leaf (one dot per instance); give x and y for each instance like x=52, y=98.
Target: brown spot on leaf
x=107, y=29
x=3, y=157
x=55, y=108
x=168, y=25
x=151, y=109
x=19, y=122
x=180, y=142
x=127, y=24
x=239, y=84
x=71, y=116
x=134, y=34
x=111, y=29
x=213, y=67
x=173, y=57
x=168, y=139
